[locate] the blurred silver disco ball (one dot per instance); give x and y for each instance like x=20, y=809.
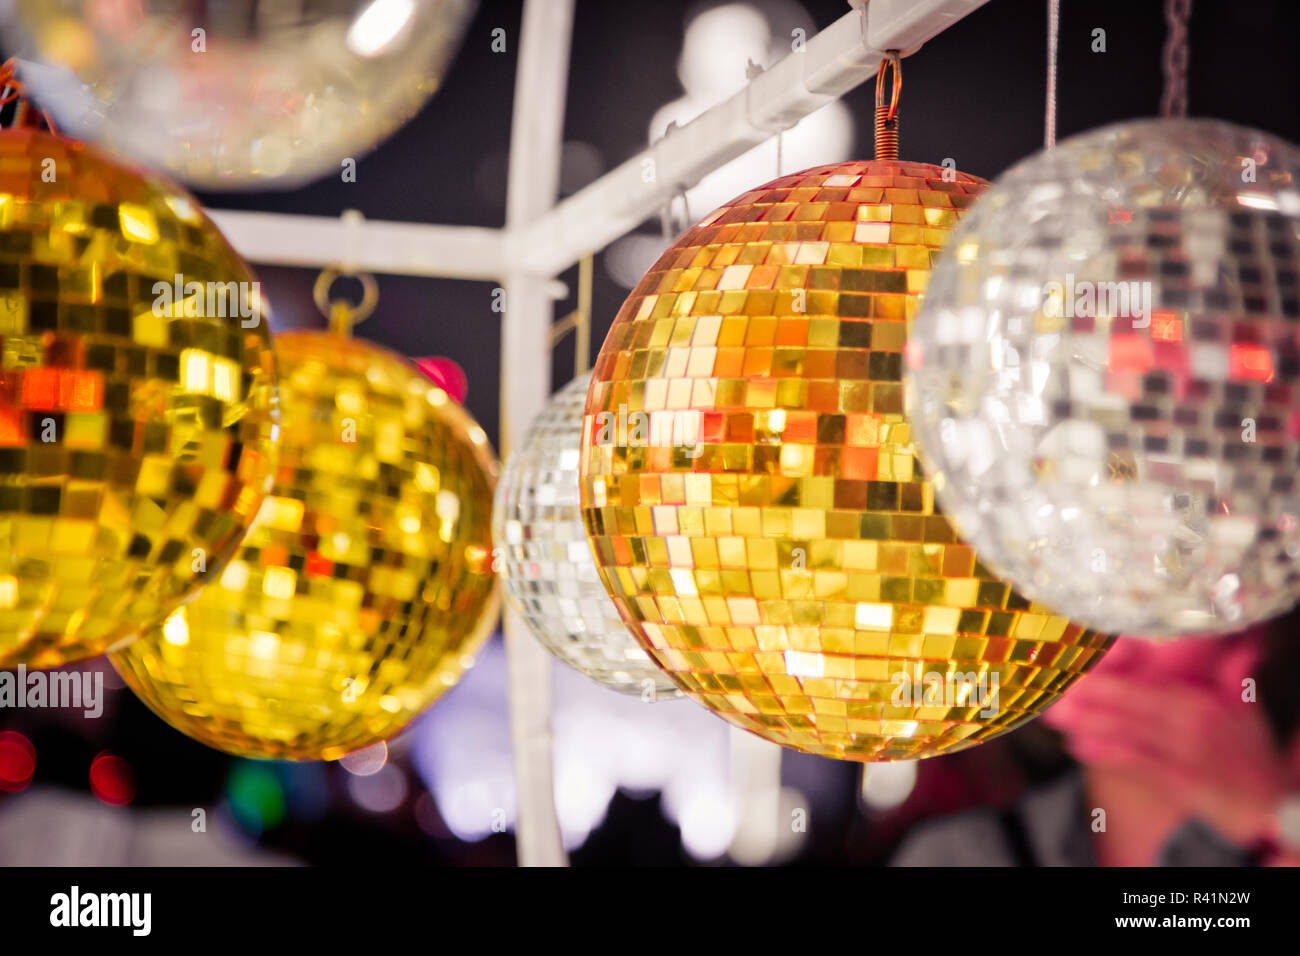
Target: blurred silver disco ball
x=545, y=560
x=1104, y=377
x=234, y=94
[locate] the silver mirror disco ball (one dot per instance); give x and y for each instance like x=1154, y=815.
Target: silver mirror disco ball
x=545, y=560
x=1104, y=377
x=234, y=94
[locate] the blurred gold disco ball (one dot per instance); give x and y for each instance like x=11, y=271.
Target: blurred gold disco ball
x=751, y=490
x=365, y=587
x=136, y=400
x=235, y=94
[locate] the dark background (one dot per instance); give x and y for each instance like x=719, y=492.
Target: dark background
x=975, y=93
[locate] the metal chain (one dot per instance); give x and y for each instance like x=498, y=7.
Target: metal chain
x=1053, y=41
x=1173, y=102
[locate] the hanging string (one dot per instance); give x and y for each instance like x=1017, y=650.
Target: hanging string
x=1173, y=101
x=670, y=228
x=582, y=334
x=1053, y=40
x=579, y=320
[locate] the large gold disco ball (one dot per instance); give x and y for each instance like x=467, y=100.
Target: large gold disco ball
x=752, y=494
x=235, y=94
x=365, y=587
x=136, y=400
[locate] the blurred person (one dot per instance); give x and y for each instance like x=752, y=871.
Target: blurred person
x=1187, y=756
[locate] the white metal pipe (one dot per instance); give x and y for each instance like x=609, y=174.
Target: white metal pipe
x=396, y=248
x=755, y=787
x=536, y=138
x=904, y=25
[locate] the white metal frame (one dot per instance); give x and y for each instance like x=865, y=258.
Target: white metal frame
x=832, y=62
x=541, y=239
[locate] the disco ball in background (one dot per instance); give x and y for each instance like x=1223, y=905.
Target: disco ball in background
x=544, y=557
x=235, y=94
x=1104, y=378
x=750, y=487
x=364, y=588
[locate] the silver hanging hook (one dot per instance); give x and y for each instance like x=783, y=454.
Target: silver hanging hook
x=670, y=228
x=679, y=192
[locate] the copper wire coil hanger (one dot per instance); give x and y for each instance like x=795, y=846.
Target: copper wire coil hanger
x=12, y=91
x=887, y=113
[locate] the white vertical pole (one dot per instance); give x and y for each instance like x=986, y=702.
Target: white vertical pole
x=755, y=783
x=536, y=138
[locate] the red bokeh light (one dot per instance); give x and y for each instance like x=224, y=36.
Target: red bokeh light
x=447, y=375
x=1166, y=326
x=112, y=780
x=62, y=389
x=318, y=566
x=17, y=761
x=1250, y=361
x=1130, y=353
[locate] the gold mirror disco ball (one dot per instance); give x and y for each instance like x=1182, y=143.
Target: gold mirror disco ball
x=235, y=94
x=751, y=489
x=136, y=419
x=364, y=588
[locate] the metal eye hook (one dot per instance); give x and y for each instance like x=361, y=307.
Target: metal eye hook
x=887, y=114
x=889, y=58
x=342, y=314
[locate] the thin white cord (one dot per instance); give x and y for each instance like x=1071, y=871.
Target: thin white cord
x=1053, y=38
